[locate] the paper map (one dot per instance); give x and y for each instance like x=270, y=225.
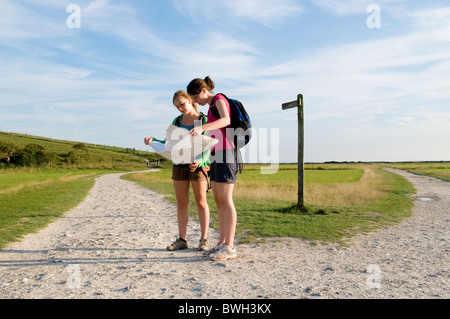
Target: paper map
x=181, y=147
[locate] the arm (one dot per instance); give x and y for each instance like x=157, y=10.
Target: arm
x=224, y=120
x=148, y=140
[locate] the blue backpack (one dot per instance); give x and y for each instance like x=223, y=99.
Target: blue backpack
x=240, y=121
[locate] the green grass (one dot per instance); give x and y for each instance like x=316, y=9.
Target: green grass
x=327, y=223
x=27, y=209
x=290, y=176
x=11, y=180
x=268, y=217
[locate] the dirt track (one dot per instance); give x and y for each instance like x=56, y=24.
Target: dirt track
x=113, y=246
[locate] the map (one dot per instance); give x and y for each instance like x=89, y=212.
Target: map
x=181, y=147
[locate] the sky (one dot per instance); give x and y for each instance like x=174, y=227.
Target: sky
x=374, y=73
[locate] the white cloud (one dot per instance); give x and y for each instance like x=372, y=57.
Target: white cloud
x=229, y=12
x=18, y=21
x=265, y=11
x=368, y=71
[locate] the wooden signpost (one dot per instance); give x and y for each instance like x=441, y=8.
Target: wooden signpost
x=301, y=144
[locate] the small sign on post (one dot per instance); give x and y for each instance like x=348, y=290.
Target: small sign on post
x=301, y=143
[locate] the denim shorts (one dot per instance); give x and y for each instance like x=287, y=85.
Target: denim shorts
x=224, y=166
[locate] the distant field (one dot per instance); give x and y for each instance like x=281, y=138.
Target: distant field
x=439, y=170
x=342, y=201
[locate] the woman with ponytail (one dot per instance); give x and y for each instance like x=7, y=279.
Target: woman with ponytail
x=224, y=166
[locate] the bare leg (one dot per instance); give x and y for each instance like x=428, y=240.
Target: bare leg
x=223, y=195
x=182, y=196
x=199, y=188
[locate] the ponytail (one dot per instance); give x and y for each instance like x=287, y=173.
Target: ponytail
x=209, y=83
x=197, y=85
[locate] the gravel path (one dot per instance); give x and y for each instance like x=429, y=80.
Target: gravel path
x=113, y=246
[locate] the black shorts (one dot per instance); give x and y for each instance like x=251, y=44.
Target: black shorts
x=224, y=166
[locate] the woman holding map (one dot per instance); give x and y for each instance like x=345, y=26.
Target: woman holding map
x=185, y=174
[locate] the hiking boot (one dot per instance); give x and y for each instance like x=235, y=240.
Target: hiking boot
x=225, y=253
x=177, y=244
x=212, y=250
x=203, y=245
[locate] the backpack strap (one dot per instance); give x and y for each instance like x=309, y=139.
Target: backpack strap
x=178, y=120
x=205, y=172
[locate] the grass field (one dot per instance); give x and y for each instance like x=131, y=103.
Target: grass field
x=341, y=201
x=31, y=199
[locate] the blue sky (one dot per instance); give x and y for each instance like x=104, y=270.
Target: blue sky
x=371, y=94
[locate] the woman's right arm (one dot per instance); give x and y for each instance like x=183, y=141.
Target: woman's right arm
x=223, y=121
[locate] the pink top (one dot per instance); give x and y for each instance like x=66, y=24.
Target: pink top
x=219, y=134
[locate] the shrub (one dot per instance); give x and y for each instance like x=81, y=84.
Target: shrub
x=77, y=157
x=81, y=146
x=6, y=151
x=30, y=155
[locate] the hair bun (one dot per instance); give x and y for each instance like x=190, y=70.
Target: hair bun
x=197, y=85
x=210, y=83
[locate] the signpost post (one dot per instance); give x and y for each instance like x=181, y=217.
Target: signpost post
x=301, y=144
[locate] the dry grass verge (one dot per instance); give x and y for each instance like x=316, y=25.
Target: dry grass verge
x=370, y=186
